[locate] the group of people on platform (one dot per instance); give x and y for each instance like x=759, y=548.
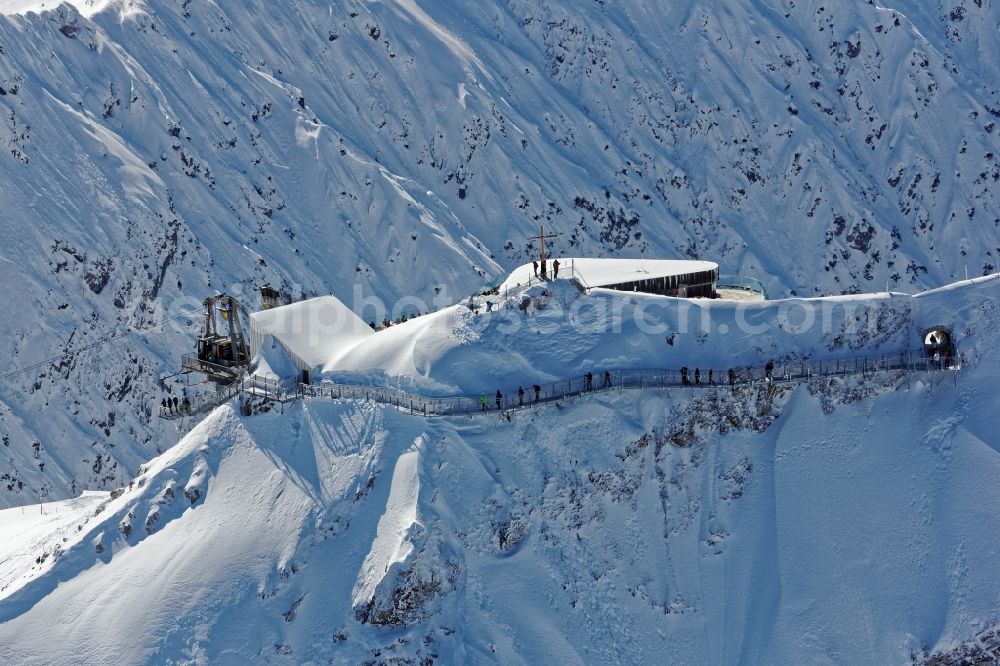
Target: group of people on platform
x=588, y=384
x=171, y=405
x=730, y=375
x=541, y=271
x=686, y=379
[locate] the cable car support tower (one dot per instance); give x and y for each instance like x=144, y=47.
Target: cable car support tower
x=222, y=352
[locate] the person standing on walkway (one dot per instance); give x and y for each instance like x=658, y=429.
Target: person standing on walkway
x=732, y=377
x=768, y=370
x=697, y=375
x=483, y=401
x=499, y=398
x=175, y=404
x=520, y=396
x=534, y=264
x=555, y=269
x=187, y=405
x=163, y=406
x=607, y=379
x=684, y=376
x=544, y=273
x=590, y=381
x=538, y=392
x=710, y=373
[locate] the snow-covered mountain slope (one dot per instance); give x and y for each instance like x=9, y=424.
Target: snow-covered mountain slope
x=839, y=521
x=158, y=151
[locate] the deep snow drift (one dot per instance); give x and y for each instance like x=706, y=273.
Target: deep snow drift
x=841, y=521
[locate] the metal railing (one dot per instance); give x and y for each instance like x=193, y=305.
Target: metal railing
x=741, y=283
x=783, y=372
x=206, y=402
x=191, y=363
x=566, y=272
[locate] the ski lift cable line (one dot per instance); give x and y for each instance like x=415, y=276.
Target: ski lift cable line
x=98, y=343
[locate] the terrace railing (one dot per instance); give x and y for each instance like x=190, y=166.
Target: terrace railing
x=741, y=283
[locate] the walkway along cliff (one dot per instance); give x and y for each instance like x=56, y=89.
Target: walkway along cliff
x=249, y=388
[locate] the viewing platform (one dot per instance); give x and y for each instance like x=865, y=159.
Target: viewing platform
x=740, y=288
x=666, y=277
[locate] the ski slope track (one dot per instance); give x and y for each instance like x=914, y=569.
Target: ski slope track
x=840, y=520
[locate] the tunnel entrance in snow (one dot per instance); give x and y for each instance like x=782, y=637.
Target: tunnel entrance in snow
x=937, y=340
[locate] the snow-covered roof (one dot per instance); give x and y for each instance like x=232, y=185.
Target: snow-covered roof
x=313, y=330
x=599, y=272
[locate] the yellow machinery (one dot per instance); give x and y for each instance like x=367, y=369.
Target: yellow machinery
x=271, y=298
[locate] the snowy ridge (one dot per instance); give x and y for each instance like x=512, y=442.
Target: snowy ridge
x=86, y=7
x=565, y=333
x=767, y=524
x=393, y=543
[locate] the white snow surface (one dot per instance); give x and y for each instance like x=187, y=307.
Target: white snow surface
x=85, y=7
x=847, y=521
x=28, y=529
x=392, y=545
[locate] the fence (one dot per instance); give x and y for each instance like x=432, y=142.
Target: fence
x=191, y=363
x=741, y=283
x=206, y=402
x=784, y=371
x=569, y=272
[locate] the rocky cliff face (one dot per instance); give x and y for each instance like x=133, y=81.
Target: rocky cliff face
x=157, y=152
